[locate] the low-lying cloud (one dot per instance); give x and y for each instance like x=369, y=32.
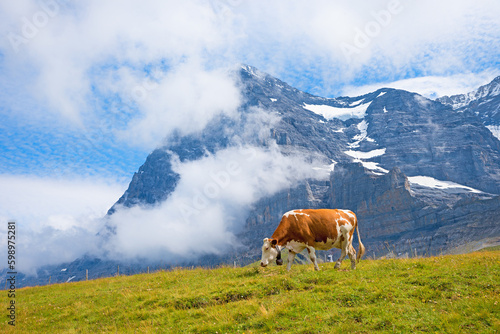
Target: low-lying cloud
x=209, y=205
x=57, y=220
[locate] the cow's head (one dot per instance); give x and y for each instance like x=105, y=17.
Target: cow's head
x=270, y=251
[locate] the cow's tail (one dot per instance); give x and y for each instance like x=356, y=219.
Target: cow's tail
x=361, y=250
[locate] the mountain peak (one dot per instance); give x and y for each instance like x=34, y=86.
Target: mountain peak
x=460, y=101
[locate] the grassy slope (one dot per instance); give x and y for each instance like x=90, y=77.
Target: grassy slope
x=459, y=293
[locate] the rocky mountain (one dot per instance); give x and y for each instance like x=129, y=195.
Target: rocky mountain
x=423, y=176
x=380, y=138
x=483, y=102
x=418, y=135
x=415, y=215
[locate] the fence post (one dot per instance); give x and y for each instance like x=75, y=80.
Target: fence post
x=86, y=274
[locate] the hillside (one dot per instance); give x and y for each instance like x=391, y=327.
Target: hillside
x=451, y=294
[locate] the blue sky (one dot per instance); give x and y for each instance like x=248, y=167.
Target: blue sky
x=62, y=63
x=89, y=89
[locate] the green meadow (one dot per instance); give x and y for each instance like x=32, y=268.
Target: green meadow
x=444, y=294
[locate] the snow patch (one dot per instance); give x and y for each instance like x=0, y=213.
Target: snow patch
x=362, y=127
x=366, y=155
x=329, y=112
x=361, y=156
x=69, y=279
x=356, y=103
x=332, y=165
x=495, y=91
x=385, y=110
x=64, y=269
x=495, y=130
x=430, y=182
x=373, y=166
x=273, y=100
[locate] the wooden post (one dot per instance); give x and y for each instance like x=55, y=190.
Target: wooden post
x=86, y=274
x=148, y=269
x=49, y=279
x=118, y=270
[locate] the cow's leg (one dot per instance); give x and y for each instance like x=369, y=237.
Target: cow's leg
x=291, y=257
x=344, y=249
x=352, y=256
x=312, y=256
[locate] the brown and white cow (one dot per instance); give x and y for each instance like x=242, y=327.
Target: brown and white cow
x=311, y=229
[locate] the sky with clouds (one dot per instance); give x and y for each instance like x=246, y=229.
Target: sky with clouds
x=89, y=89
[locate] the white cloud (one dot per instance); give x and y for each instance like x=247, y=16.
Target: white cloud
x=83, y=37
x=301, y=42
x=210, y=203
x=185, y=99
x=431, y=86
x=304, y=41
x=57, y=219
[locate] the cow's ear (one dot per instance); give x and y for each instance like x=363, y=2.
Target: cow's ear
x=274, y=242
x=265, y=239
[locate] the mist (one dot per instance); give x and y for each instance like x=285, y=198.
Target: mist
x=57, y=219
x=210, y=203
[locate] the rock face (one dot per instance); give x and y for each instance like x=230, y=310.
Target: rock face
x=485, y=102
x=381, y=143
x=408, y=217
x=423, y=137
x=154, y=181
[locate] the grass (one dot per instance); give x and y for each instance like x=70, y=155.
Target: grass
x=446, y=294
x=488, y=249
